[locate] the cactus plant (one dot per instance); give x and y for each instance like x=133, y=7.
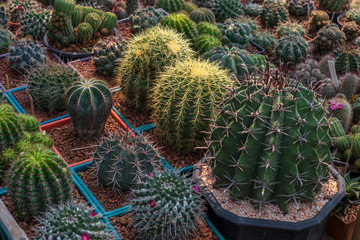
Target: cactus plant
x=265, y=39
x=225, y=9
x=202, y=15
x=279, y=160
x=329, y=38
x=289, y=28
x=334, y=5
x=148, y=53
x=209, y=29
x=145, y=18
x=34, y=23
x=107, y=53
x=341, y=109
x=121, y=161
x=261, y=62
x=131, y=6
x=182, y=24
x=348, y=86
x=204, y=3
x=77, y=16
x=94, y=20
x=309, y=74
x=291, y=49
x=317, y=20
x=352, y=196
x=17, y=8
x=353, y=15
x=89, y=104
x=171, y=6
x=26, y=55
x=28, y=123
x=250, y=22
x=84, y=32
x=31, y=190
x=182, y=115
x=205, y=42
x=107, y=23
x=235, y=34
x=347, y=60
x=10, y=128
x=48, y=84
x=5, y=40
x=252, y=9
x=356, y=111
x=299, y=7
x=152, y=221
x=119, y=10
x=351, y=30
x=3, y=18
x=71, y=221
x=273, y=13
x=189, y=7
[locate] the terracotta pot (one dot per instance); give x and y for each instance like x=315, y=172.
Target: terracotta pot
x=340, y=230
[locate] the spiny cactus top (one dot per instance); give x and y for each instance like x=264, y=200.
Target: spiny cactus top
x=10, y=128
x=34, y=23
x=273, y=12
x=329, y=38
x=166, y=206
x=225, y=9
x=170, y=6
x=182, y=24
x=270, y=142
x=299, y=7
x=334, y=5
x=145, y=18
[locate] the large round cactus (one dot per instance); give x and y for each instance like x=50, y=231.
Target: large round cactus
x=329, y=38
x=145, y=18
x=170, y=6
x=225, y=9
x=89, y=103
x=273, y=12
x=292, y=49
x=182, y=24
x=10, y=128
x=235, y=33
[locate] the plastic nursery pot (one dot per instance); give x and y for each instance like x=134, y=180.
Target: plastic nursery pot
x=232, y=226
x=339, y=18
x=339, y=230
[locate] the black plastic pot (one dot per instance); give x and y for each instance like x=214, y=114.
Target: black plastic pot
x=233, y=227
x=338, y=19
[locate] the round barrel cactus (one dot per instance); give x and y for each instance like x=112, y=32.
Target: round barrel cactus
x=273, y=12
x=235, y=33
x=170, y=6
x=84, y=32
x=107, y=23
x=292, y=49
x=182, y=24
x=202, y=15
x=209, y=29
x=89, y=104
x=329, y=38
x=265, y=39
x=289, y=28
x=10, y=128
x=225, y=9
x=94, y=20
x=300, y=7
x=145, y=18
x=205, y=42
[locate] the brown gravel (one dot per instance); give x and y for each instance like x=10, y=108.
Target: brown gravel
x=107, y=198
x=121, y=225
x=351, y=214
x=42, y=115
x=88, y=71
x=65, y=141
x=244, y=208
x=124, y=29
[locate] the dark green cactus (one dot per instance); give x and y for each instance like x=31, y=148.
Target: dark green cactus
x=5, y=40
x=289, y=28
x=329, y=38
x=28, y=123
x=3, y=18
x=291, y=49
x=273, y=12
x=225, y=9
x=318, y=19
x=252, y=9
x=121, y=161
x=84, y=32
x=324, y=65
x=26, y=55
x=351, y=30
x=71, y=221
x=236, y=60
x=299, y=7
x=356, y=111
x=353, y=15
x=182, y=115
x=171, y=6
x=347, y=60
x=31, y=190
x=279, y=160
x=189, y=7
x=204, y=3
x=179, y=220
x=78, y=16
x=94, y=20
x=131, y=6
x=41, y=138
x=205, y=42
x=145, y=18
x=235, y=34
x=17, y=8
x=334, y=5
x=202, y=15
x=209, y=29
x=341, y=109
x=10, y=128
x=182, y=24
x=34, y=23
x=265, y=39
x=89, y=104
x=107, y=23
x=107, y=53
x=47, y=85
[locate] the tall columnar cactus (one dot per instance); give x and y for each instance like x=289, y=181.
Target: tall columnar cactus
x=89, y=104
x=236, y=60
x=131, y=6
x=265, y=39
x=107, y=53
x=83, y=32
x=270, y=142
x=273, y=12
x=329, y=38
x=252, y=9
x=204, y=3
x=341, y=109
x=3, y=18
x=353, y=15
x=171, y=6
x=107, y=23
x=34, y=23
x=292, y=49
x=347, y=60
x=145, y=18
x=209, y=29
x=317, y=20
x=148, y=54
x=300, y=7
x=202, y=15
x=48, y=83
x=235, y=33
x=26, y=55
x=351, y=30
x=31, y=190
x=10, y=128
x=182, y=24
x=182, y=113
x=225, y=9
x=179, y=219
x=71, y=221
x=334, y=5
x=205, y=42
x=121, y=161
x=5, y=40
x=289, y=28
x=348, y=86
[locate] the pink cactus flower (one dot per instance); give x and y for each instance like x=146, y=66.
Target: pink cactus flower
x=85, y=236
x=340, y=106
x=151, y=174
x=93, y=213
x=333, y=106
x=152, y=203
x=196, y=188
x=19, y=7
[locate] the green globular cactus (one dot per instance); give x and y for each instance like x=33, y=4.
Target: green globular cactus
x=171, y=6
x=34, y=23
x=209, y=29
x=204, y=3
x=309, y=73
x=329, y=38
x=181, y=114
x=341, y=109
x=121, y=161
x=131, y=6
x=225, y=9
x=3, y=18
x=356, y=111
x=261, y=62
x=107, y=23
x=41, y=138
x=252, y=9
x=189, y=7
x=235, y=34
x=147, y=54
x=145, y=18
x=182, y=24
x=317, y=20
x=265, y=39
x=291, y=49
x=119, y=10
x=205, y=42
x=73, y=221
x=236, y=60
x=273, y=12
x=107, y=53
x=77, y=16
x=47, y=85
x=250, y=22
x=83, y=32
x=347, y=60
x=10, y=127
x=94, y=20
x=353, y=15
x=26, y=55
x=17, y=8
x=184, y=207
x=5, y=40
x=289, y=28
x=339, y=138
x=299, y=7
x=28, y=123
x=30, y=189
x=334, y=5
x=348, y=87
x=351, y=30
x=202, y=15
x=89, y=104
x=264, y=154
